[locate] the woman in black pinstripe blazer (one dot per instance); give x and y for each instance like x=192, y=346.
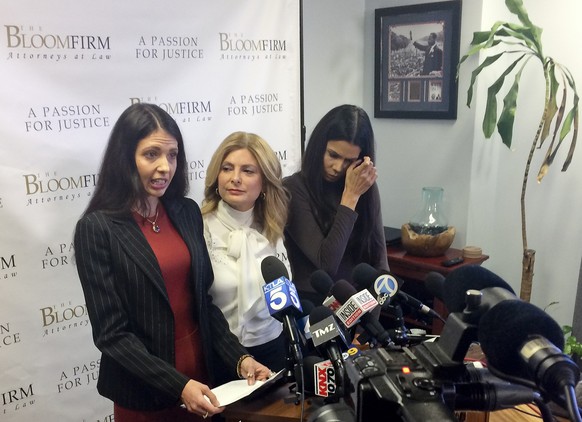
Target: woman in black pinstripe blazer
x=145, y=273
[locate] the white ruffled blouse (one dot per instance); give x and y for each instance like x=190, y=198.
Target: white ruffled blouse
x=236, y=250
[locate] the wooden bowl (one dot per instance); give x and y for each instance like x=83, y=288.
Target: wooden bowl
x=425, y=244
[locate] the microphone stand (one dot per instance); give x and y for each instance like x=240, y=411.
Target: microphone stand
x=400, y=333
x=294, y=359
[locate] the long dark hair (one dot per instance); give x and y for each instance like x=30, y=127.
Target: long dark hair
x=343, y=123
x=119, y=188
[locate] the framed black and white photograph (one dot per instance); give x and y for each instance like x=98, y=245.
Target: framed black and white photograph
x=417, y=54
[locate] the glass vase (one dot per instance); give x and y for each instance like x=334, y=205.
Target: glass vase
x=430, y=218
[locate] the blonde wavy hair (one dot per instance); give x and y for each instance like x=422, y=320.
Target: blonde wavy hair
x=271, y=208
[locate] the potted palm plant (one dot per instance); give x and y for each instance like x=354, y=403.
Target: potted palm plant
x=520, y=44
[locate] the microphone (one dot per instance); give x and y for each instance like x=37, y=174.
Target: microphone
x=322, y=283
x=272, y=268
x=488, y=396
x=326, y=379
x=327, y=335
x=282, y=301
x=325, y=330
x=523, y=342
x=355, y=306
x=306, y=381
x=383, y=286
x=469, y=277
x=435, y=284
x=480, y=390
x=380, y=285
x=320, y=378
x=303, y=319
x=384, y=283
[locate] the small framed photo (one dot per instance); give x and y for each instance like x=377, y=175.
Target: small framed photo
x=417, y=54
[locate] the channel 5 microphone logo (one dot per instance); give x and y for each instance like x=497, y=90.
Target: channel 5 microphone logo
x=280, y=295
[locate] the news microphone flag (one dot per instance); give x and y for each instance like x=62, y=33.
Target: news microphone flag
x=325, y=379
x=326, y=330
x=282, y=298
x=385, y=287
x=332, y=303
x=356, y=306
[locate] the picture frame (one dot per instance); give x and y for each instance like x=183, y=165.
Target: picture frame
x=416, y=59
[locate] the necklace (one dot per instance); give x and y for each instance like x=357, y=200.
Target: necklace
x=155, y=227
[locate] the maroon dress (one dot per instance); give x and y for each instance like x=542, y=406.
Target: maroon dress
x=174, y=260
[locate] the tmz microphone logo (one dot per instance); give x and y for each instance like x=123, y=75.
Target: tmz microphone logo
x=324, y=375
x=326, y=331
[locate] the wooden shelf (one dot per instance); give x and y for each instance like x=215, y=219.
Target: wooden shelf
x=414, y=269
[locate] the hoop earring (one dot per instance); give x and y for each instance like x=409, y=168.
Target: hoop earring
x=217, y=194
x=263, y=196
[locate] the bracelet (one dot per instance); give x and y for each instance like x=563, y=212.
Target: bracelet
x=243, y=357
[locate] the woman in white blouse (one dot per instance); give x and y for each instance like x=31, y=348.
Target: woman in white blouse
x=245, y=210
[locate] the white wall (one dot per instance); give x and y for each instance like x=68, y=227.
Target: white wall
x=333, y=51
x=481, y=178
x=553, y=207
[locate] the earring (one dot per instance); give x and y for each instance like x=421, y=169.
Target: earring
x=217, y=194
x=263, y=195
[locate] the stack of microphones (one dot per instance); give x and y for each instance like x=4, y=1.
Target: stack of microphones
x=378, y=289
x=522, y=344
x=329, y=330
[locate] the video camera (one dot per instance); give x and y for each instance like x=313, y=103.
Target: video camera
x=394, y=382
x=431, y=381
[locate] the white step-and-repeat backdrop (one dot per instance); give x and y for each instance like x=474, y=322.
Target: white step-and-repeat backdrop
x=67, y=71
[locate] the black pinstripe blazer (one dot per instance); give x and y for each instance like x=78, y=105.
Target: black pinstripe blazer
x=130, y=312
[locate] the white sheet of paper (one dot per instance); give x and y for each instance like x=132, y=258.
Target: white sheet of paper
x=235, y=390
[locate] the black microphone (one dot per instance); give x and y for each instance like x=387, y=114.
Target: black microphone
x=383, y=286
x=322, y=284
x=319, y=378
x=325, y=329
x=523, y=342
x=303, y=324
x=356, y=308
x=435, y=284
x=383, y=282
x=479, y=390
x=469, y=277
x=367, y=277
x=283, y=302
x=273, y=268
x=306, y=381
x=328, y=337
x=488, y=396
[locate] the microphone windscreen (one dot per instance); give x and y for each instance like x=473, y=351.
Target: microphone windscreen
x=272, y=268
x=342, y=291
x=468, y=277
x=435, y=284
x=504, y=328
x=321, y=282
x=319, y=313
x=309, y=363
x=364, y=275
x=307, y=307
